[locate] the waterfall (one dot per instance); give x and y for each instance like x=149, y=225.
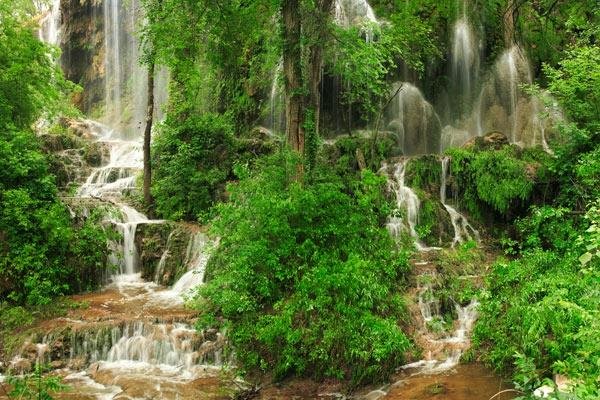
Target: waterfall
x=125, y=79
x=414, y=120
x=507, y=69
x=49, y=31
x=196, y=257
x=463, y=231
x=441, y=353
x=464, y=65
x=349, y=13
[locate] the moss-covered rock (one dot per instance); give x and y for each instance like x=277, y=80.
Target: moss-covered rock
x=433, y=224
x=345, y=153
x=425, y=173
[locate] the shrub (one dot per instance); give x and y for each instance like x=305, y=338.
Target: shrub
x=43, y=254
x=305, y=279
x=192, y=160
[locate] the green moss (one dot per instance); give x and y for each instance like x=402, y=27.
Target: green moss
x=424, y=173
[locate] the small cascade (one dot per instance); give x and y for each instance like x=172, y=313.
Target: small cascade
x=414, y=120
x=174, y=345
x=276, y=116
x=110, y=182
x=441, y=353
x=196, y=258
x=160, y=267
x=349, y=13
x=507, y=70
x=131, y=219
x=463, y=231
x=126, y=159
x=429, y=305
x=407, y=203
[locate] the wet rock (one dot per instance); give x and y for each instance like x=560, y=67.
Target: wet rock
x=492, y=140
x=57, y=364
x=95, y=154
x=82, y=49
x=211, y=334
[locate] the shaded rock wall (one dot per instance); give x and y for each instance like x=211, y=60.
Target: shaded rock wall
x=82, y=45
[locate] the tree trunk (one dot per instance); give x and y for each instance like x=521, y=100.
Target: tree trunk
x=292, y=71
x=147, y=136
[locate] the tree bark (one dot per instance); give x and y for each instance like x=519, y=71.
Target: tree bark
x=147, y=137
x=292, y=71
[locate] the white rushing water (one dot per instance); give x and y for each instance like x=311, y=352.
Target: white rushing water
x=464, y=61
x=406, y=213
x=49, y=21
x=463, y=231
x=413, y=119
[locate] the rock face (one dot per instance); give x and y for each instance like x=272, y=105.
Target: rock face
x=82, y=45
x=165, y=250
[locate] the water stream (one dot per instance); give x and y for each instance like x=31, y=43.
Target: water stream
x=463, y=231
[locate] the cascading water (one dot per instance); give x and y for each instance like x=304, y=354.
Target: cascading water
x=405, y=216
x=130, y=333
x=463, y=231
x=507, y=69
x=464, y=65
x=414, y=120
x=49, y=31
x=125, y=79
x=349, y=13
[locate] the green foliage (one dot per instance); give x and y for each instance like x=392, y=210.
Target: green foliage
x=575, y=82
x=192, y=160
x=219, y=54
x=498, y=179
x=30, y=80
x=548, y=26
x=424, y=173
x=367, y=65
x=547, y=228
x=42, y=254
x=543, y=310
x=36, y=385
x=305, y=280
x=590, y=239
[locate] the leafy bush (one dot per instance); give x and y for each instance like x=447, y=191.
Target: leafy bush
x=493, y=179
x=540, y=312
x=544, y=309
x=192, y=160
x=40, y=250
x=547, y=228
x=43, y=255
x=305, y=280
